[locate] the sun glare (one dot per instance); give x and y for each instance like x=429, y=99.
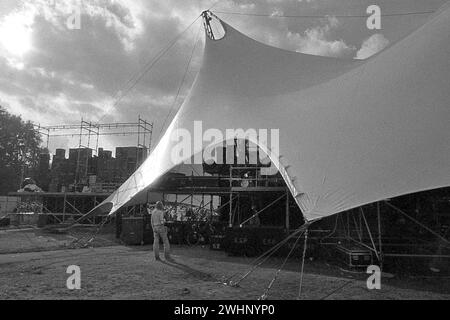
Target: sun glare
x=15, y=34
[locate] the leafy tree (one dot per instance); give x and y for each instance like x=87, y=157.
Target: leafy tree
x=19, y=150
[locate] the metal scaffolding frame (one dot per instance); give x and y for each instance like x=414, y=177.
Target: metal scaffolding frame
x=143, y=130
x=355, y=226
x=65, y=206
x=86, y=129
x=88, y=137
x=236, y=187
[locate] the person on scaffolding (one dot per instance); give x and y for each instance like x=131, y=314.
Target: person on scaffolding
x=160, y=231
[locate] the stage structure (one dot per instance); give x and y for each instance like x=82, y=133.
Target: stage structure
x=352, y=132
x=60, y=207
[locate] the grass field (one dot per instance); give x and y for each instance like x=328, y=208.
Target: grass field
x=33, y=266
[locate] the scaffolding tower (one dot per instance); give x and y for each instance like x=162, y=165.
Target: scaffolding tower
x=88, y=138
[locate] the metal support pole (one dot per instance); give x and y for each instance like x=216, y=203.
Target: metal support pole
x=230, y=203
x=145, y=132
x=64, y=207
x=370, y=234
x=138, y=141
x=96, y=140
x=287, y=211
x=231, y=199
x=380, y=244
x=176, y=203
x=211, y=206
x=238, y=209
x=86, y=171
x=77, y=170
x=150, y=139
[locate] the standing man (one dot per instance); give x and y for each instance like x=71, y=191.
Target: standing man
x=159, y=230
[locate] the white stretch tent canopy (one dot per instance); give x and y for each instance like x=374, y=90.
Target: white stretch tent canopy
x=352, y=132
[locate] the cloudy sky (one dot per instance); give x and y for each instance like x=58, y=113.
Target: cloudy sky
x=52, y=73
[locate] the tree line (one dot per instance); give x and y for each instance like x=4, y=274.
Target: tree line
x=20, y=146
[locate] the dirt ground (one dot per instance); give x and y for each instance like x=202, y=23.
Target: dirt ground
x=37, y=270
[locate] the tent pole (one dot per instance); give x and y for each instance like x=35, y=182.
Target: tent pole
x=238, y=209
x=358, y=231
x=230, y=203
x=303, y=264
x=380, y=244
x=230, y=223
x=370, y=234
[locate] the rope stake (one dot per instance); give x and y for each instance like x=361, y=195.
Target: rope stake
x=265, y=255
x=266, y=293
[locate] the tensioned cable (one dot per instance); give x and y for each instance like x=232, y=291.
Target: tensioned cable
x=149, y=65
x=418, y=223
x=346, y=283
x=138, y=76
x=181, y=82
x=213, y=5
x=303, y=265
x=186, y=71
x=266, y=292
x=93, y=235
x=398, y=14
x=257, y=213
x=256, y=263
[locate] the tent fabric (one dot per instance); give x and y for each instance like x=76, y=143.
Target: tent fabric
x=352, y=132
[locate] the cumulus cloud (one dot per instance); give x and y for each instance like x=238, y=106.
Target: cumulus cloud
x=317, y=41
x=372, y=45
x=71, y=68
x=57, y=75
